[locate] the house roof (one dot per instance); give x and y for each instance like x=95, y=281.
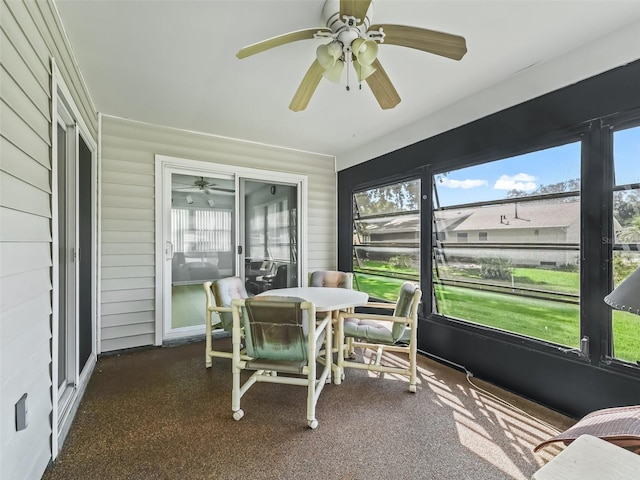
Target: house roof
x=519, y=215
x=537, y=215
x=173, y=63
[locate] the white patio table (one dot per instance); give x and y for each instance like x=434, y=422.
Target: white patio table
x=326, y=299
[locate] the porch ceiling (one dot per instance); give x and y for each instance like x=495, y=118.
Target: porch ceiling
x=173, y=62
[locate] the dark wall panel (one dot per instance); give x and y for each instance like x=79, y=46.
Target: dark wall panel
x=571, y=386
x=86, y=241
x=563, y=381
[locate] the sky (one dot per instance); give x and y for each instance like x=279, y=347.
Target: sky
x=493, y=180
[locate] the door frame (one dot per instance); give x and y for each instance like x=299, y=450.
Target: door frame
x=163, y=167
x=61, y=418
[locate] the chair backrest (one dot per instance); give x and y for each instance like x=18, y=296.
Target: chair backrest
x=406, y=306
x=224, y=291
x=268, y=266
x=331, y=278
x=276, y=327
x=280, y=278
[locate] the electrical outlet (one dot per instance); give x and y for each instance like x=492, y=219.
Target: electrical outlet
x=21, y=413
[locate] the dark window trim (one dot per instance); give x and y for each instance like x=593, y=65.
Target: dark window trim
x=552, y=140
x=610, y=125
x=575, y=388
x=583, y=133
x=549, y=140
x=509, y=337
x=414, y=174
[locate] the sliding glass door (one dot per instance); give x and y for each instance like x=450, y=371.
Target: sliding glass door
x=216, y=224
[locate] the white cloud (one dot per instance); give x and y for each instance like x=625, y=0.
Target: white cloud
x=449, y=182
x=521, y=181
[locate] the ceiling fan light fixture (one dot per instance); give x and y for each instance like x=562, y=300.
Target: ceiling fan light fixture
x=329, y=54
x=365, y=51
x=364, y=71
x=334, y=74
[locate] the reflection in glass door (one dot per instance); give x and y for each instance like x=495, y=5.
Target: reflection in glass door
x=270, y=235
x=202, y=245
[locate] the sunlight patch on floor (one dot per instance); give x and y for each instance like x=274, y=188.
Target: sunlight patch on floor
x=478, y=440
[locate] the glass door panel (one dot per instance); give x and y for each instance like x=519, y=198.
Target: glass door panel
x=270, y=235
x=67, y=253
x=202, y=243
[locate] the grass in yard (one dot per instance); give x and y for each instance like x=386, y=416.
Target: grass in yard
x=387, y=267
x=568, y=282
x=550, y=321
x=626, y=339
x=536, y=278
x=553, y=322
x=379, y=287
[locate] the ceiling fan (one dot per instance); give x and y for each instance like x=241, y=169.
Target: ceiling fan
x=202, y=185
x=354, y=40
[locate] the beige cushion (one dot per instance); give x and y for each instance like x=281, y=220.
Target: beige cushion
x=619, y=425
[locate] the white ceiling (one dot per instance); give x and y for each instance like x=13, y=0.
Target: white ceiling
x=173, y=62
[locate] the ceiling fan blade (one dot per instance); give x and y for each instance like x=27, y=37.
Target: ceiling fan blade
x=354, y=8
x=279, y=40
x=439, y=43
x=307, y=87
x=220, y=189
x=382, y=88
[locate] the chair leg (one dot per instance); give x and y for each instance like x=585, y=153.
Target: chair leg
x=207, y=341
x=379, y=355
x=236, y=392
x=412, y=359
x=351, y=350
x=311, y=402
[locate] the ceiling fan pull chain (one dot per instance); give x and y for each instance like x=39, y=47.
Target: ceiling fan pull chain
x=348, y=61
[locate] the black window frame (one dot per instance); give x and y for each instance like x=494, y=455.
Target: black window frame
x=408, y=177
x=596, y=143
x=609, y=125
x=561, y=380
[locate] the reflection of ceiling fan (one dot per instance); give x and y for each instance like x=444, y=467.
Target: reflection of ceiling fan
x=202, y=185
x=354, y=40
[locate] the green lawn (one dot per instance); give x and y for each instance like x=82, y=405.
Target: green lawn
x=537, y=278
x=567, y=282
x=550, y=321
x=378, y=287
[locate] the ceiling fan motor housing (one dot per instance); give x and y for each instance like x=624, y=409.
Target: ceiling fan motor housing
x=348, y=28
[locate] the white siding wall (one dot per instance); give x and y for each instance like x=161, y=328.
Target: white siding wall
x=128, y=228
x=30, y=33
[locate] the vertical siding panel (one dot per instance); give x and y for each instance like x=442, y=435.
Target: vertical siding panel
x=128, y=159
x=30, y=34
